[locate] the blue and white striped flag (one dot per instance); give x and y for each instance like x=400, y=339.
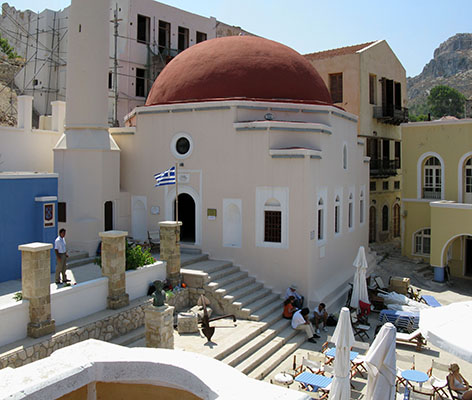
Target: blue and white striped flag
x=165, y=178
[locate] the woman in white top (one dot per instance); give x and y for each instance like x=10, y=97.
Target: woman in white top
x=458, y=383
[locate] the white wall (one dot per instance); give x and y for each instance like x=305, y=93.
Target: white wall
x=138, y=281
x=74, y=302
x=14, y=319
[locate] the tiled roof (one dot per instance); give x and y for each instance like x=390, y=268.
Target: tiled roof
x=337, y=52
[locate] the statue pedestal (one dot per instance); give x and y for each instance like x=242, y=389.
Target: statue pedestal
x=159, y=326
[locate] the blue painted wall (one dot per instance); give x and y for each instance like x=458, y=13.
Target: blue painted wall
x=21, y=220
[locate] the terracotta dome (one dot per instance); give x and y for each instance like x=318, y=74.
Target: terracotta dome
x=239, y=67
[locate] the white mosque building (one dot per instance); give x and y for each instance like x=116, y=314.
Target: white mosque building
x=271, y=175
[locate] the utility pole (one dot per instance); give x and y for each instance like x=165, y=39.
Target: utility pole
x=115, y=66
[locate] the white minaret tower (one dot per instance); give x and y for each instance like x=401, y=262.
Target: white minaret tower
x=86, y=157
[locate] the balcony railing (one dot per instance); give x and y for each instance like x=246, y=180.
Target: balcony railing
x=382, y=168
x=389, y=114
x=432, y=193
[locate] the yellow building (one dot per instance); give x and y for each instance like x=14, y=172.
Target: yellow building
x=368, y=80
x=437, y=194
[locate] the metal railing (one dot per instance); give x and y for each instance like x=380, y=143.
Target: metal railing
x=432, y=193
x=383, y=167
x=391, y=114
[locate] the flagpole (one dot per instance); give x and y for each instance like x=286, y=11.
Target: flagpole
x=177, y=192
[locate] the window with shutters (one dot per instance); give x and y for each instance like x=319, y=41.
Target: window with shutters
x=372, y=88
x=336, y=87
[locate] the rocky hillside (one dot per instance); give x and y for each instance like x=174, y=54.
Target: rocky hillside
x=451, y=66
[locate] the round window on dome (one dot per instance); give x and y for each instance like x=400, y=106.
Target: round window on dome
x=181, y=145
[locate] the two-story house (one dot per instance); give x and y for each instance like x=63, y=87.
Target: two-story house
x=368, y=80
x=437, y=194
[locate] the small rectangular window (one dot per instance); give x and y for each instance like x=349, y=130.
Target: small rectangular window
x=385, y=185
x=110, y=80
x=183, y=38
x=373, y=186
x=396, y=185
x=140, y=82
x=61, y=212
x=336, y=87
x=320, y=224
x=398, y=157
x=273, y=226
x=143, y=29
x=372, y=88
x=164, y=35
x=201, y=37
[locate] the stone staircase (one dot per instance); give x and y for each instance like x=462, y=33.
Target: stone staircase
x=232, y=291
x=78, y=258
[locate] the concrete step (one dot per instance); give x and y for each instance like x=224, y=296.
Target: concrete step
x=246, y=290
x=230, y=282
x=79, y=262
x=257, y=304
x=189, y=249
x=202, y=257
x=222, y=272
x=266, y=351
x=130, y=337
x=278, y=357
x=209, y=266
x=250, y=298
x=77, y=255
x=252, y=346
x=275, y=306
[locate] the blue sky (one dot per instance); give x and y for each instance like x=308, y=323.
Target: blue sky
x=413, y=28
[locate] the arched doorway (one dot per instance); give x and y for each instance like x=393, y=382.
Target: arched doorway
x=187, y=217
x=372, y=224
x=468, y=181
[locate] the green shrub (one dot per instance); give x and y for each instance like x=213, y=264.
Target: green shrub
x=136, y=257
x=18, y=296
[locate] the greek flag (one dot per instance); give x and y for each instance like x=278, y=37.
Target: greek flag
x=165, y=178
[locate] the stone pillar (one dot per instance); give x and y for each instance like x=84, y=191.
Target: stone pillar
x=113, y=267
x=159, y=326
x=25, y=113
x=35, y=282
x=170, y=249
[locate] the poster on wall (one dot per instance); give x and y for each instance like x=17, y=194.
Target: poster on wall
x=49, y=219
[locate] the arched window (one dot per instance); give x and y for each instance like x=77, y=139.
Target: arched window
x=345, y=156
x=349, y=212
x=385, y=218
x=321, y=219
x=432, y=178
x=272, y=221
x=396, y=220
x=361, y=207
x=337, y=211
x=423, y=241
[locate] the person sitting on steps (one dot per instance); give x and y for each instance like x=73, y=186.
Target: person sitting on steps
x=292, y=291
x=319, y=315
x=300, y=322
x=289, y=308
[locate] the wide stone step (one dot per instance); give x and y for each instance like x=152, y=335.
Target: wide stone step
x=77, y=255
x=193, y=260
x=249, y=289
x=209, y=266
x=228, y=270
x=227, y=281
x=259, y=294
x=80, y=262
x=278, y=357
x=266, y=351
x=257, y=304
x=130, y=337
x=275, y=306
x=249, y=348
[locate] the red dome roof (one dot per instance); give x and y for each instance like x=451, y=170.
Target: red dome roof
x=239, y=67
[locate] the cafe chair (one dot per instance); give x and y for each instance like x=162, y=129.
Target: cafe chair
x=410, y=359
x=437, y=385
